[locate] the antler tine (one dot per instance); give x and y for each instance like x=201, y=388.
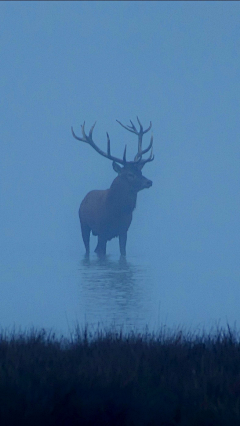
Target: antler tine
x=91, y=130
x=150, y=158
x=76, y=137
x=109, y=150
x=140, y=133
x=140, y=153
x=73, y=133
x=88, y=139
x=108, y=145
x=149, y=127
x=129, y=128
x=141, y=127
x=124, y=154
x=149, y=146
x=83, y=131
x=133, y=127
x=140, y=124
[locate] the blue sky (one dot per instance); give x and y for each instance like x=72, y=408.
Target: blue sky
x=174, y=63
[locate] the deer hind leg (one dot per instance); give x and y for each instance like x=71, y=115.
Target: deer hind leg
x=122, y=243
x=86, y=236
x=101, y=246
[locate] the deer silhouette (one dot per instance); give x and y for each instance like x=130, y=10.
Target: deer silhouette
x=108, y=213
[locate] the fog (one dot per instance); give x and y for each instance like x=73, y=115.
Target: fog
x=173, y=63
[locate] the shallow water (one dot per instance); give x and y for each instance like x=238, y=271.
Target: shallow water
x=57, y=291
x=113, y=291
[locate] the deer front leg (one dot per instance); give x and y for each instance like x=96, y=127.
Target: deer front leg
x=101, y=246
x=86, y=237
x=122, y=243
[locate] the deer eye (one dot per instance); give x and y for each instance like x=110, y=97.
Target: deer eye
x=131, y=175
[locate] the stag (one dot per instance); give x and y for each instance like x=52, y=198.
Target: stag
x=108, y=213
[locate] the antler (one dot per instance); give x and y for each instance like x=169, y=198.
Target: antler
x=140, y=133
x=88, y=139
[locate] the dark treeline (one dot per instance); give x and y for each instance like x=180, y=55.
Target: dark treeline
x=111, y=378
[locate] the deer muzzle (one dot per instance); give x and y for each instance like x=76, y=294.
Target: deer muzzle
x=148, y=183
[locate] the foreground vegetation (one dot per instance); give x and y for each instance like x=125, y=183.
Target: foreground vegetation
x=116, y=379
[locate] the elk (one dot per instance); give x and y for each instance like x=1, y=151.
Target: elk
x=108, y=213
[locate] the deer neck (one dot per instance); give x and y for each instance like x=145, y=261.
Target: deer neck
x=121, y=197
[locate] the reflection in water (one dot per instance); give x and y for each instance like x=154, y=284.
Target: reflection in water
x=115, y=292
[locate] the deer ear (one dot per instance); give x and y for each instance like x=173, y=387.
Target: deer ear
x=116, y=167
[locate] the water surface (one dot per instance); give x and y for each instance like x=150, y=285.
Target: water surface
x=58, y=292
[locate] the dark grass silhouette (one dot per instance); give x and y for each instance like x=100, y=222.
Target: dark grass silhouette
x=108, y=378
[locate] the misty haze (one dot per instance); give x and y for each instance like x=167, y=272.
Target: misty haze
x=174, y=64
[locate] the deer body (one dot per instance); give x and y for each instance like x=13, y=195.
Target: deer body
x=108, y=213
